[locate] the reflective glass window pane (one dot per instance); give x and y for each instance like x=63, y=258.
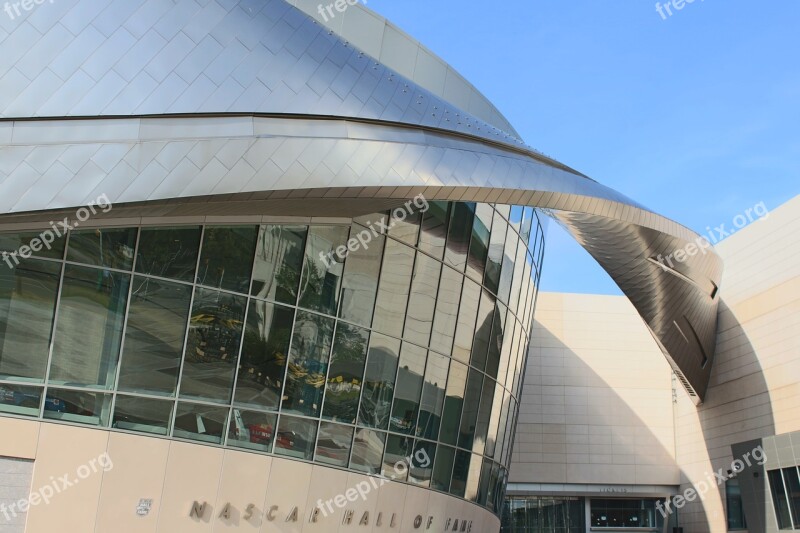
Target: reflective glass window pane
x=501, y=426
x=368, y=447
x=443, y=468
x=453, y=403
x=379, y=380
x=473, y=478
x=333, y=444
x=479, y=243
x=503, y=209
x=279, y=261
x=527, y=222
x=326, y=251
x=494, y=262
x=433, y=390
x=20, y=399
x=509, y=262
x=469, y=416
x=496, y=339
x=360, y=282
x=405, y=225
x=308, y=363
x=39, y=244
x=458, y=235
x=395, y=284
x=296, y=437
x=515, y=218
x=395, y=464
x=264, y=351
x=157, y=320
x=422, y=301
x=483, y=331
x=90, y=408
x=212, y=346
x=734, y=509
x=346, y=374
x=252, y=430
x=226, y=260
x=485, y=482
x=467, y=314
x=494, y=420
x=169, y=252
x=509, y=337
x=200, y=422
x=790, y=477
x=408, y=390
x=484, y=412
x=27, y=307
x=143, y=415
x=373, y=220
x=434, y=229
x=420, y=470
x=445, y=317
x=108, y=247
x=89, y=329
x=458, y=485
x=516, y=279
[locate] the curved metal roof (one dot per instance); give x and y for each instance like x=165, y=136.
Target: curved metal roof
x=280, y=116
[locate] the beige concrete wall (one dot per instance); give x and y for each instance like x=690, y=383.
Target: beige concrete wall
x=103, y=495
x=597, y=403
x=755, y=383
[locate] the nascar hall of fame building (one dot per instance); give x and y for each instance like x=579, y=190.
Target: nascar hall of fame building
x=267, y=267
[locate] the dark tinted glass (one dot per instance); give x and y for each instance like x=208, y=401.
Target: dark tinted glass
x=458, y=485
x=20, y=399
x=420, y=470
x=790, y=477
x=169, y=252
x=434, y=229
x=279, y=260
x=453, y=403
x=458, y=235
x=494, y=262
x=108, y=247
x=333, y=444
x=446, y=315
x=89, y=330
x=157, y=320
x=422, y=301
x=143, y=415
x=433, y=389
x=409, y=387
x=252, y=430
x=27, y=306
x=346, y=374
x=227, y=257
x=360, y=283
x=395, y=465
x=263, y=362
x=483, y=331
x=395, y=284
x=90, y=408
x=296, y=437
x=200, y=422
x=367, y=453
x=496, y=339
x=215, y=334
x=443, y=468
x=379, y=381
x=39, y=244
x=326, y=251
x=472, y=400
x=479, y=243
x=308, y=363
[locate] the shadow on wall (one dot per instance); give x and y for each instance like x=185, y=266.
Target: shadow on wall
x=579, y=425
x=737, y=408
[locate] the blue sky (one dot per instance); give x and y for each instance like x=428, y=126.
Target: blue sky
x=696, y=117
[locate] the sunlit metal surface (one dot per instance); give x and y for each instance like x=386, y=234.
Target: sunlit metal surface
x=280, y=116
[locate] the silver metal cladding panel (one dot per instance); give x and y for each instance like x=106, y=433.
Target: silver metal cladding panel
x=139, y=57
x=259, y=166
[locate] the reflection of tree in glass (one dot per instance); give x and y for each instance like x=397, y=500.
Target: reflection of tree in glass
x=346, y=373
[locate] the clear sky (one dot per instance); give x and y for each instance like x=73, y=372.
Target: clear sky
x=696, y=117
